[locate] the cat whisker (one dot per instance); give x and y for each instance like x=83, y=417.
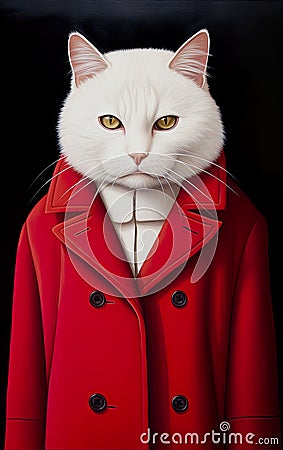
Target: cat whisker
x=46, y=168
x=189, y=166
x=80, y=181
x=114, y=157
x=167, y=182
x=192, y=155
x=56, y=175
x=186, y=153
x=170, y=187
x=87, y=173
x=50, y=179
x=174, y=196
x=101, y=187
x=90, y=181
x=116, y=178
x=212, y=175
x=81, y=189
x=98, y=170
x=162, y=188
x=190, y=193
x=73, y=187
x=98, y=189
x=191, y=184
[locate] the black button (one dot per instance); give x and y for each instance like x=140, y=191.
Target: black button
x=179, y=299
x=180, y=403
x=97, y=402
x=97, y=299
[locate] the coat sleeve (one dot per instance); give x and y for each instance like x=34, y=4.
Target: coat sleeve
x=26, y=392
x=252, y=394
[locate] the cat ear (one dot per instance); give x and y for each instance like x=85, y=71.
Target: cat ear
x=191, y=58
x=85, y=59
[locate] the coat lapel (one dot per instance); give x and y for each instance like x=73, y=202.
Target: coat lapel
x=92, y=237
x=88, y=233
x=183, y=235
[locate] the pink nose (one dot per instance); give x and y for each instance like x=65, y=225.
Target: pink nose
x=138, y=157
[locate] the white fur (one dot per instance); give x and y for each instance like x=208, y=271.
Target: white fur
x=138, y=87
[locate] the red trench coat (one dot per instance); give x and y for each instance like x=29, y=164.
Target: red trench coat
x=103, y=371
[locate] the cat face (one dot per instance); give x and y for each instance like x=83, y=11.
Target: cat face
x=142, y=117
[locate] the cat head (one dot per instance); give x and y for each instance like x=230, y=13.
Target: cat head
x=140, y=117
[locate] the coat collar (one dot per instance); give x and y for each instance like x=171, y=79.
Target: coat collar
x=150, y=204
x=88, y=235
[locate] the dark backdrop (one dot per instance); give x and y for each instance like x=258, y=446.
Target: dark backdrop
x=246, y=69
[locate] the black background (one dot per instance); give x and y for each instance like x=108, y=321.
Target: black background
x=246, y=82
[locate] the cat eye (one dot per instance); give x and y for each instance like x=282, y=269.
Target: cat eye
x=110, y=122
x=165, y=123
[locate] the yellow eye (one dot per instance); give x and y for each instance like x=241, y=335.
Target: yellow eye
x=166, y=122
x=110, y=122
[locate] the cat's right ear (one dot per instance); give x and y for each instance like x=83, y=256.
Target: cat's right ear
x=86, y=61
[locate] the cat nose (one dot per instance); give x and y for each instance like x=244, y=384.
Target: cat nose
x=138, y=157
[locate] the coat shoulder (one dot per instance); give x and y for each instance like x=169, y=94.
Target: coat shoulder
x=239, y=219
x=39, y=223
x=38, y=211
x=240, y=207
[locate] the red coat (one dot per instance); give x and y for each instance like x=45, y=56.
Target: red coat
x=92, y=367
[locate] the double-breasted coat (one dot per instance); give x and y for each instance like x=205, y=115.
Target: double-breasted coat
x=99, y=360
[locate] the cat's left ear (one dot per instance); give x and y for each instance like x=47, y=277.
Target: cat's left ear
x=190, y=60
x=86, y=61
